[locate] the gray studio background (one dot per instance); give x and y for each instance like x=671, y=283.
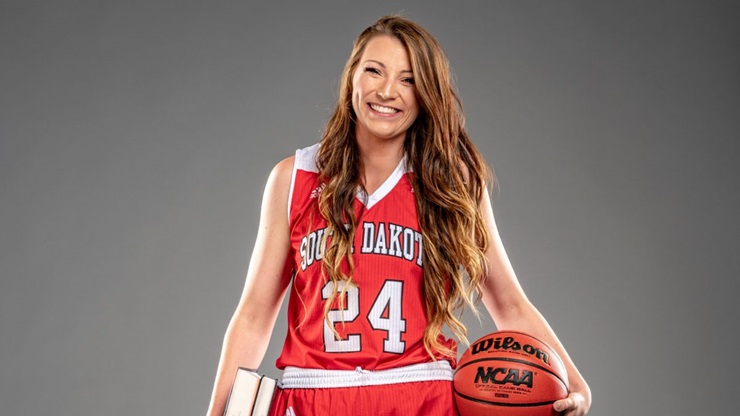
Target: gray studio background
x=135, y=139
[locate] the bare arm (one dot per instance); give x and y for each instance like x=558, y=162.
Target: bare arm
x=268, y=276
x=510, y=309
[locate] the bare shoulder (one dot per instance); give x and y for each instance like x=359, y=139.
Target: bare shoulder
x=281, y=175
x=277, y=188
x=284, y=169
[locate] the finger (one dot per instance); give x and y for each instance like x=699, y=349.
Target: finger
x=564, y=404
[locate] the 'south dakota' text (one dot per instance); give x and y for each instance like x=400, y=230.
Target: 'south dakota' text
x=381, y=238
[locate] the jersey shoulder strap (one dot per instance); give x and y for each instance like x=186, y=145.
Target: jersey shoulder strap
x=304, y=177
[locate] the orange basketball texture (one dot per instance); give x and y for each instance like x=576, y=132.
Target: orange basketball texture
x=509, y=373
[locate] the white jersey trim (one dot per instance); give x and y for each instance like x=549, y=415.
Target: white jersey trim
x=309, y=378
x=305, y=159
x=385, y=188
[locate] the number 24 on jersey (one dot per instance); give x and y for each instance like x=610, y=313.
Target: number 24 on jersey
x=385, y=315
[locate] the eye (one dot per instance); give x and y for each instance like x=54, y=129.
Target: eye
x=409, y=81
x=372, y=70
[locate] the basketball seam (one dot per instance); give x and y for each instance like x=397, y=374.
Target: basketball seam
x=473, y=399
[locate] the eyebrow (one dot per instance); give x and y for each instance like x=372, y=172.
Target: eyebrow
x=383, y=65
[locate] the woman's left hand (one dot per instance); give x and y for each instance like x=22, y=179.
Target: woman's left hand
x=573, y=405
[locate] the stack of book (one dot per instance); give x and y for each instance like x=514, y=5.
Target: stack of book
x=251, y=394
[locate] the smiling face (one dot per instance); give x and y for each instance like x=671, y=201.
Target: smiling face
x=383, y=93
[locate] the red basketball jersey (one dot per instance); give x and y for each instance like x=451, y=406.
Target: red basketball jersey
x=382, y=321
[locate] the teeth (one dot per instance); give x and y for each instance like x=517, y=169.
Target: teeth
x=382, y=109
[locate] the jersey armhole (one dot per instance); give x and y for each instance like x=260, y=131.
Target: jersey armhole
x=292, y=184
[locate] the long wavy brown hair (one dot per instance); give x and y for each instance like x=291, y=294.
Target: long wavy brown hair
x=449, y=176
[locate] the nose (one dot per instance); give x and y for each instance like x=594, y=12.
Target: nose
x=387, y=90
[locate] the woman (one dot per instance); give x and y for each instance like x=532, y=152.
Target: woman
x=371, y=226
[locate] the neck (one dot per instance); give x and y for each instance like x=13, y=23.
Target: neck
x=375, y=151
x=380, y=157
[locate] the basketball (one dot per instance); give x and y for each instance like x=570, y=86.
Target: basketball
x=508, y=373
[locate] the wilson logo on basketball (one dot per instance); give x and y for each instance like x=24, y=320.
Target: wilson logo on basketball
x=509, y=344
x=501, y=375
